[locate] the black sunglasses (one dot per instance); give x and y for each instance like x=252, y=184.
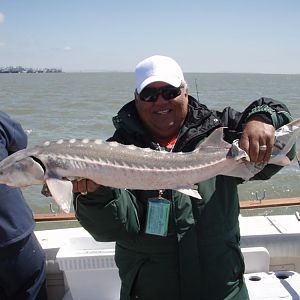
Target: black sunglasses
x=168, y=93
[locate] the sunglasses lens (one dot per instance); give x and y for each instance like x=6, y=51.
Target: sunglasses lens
x=170, y=92
x=151, y=94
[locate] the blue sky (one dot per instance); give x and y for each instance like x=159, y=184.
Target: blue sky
x=261, y=36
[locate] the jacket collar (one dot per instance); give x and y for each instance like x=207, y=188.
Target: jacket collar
x=127, y=120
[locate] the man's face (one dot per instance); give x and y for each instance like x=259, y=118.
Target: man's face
x=163, y=118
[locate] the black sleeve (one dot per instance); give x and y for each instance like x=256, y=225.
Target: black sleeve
x=272, y=110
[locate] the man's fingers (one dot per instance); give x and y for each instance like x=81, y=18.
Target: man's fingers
x=244, y=143
x=258, y=150
x=84, y=186
x=266, y=150
x=257, y=140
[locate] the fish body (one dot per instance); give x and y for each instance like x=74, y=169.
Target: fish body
x=126, y=166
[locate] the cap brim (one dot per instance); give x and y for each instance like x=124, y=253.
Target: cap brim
x=176, y=82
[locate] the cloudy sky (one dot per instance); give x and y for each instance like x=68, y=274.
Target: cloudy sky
x=261, y=36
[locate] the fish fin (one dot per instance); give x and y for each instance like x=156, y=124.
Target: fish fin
x=62, y=192
x=190, y=192
x=284, y=161
x=215, y=140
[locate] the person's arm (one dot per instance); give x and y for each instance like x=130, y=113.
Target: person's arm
x=12, y=134
x=108, y=214
x=258, y=133
x=19, y=138
x=257, y=123
x=3, y=150
x=272, y=111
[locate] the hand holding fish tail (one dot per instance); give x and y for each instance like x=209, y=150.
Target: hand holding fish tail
x=45, y=191
x=258, y=139
x=84, y=186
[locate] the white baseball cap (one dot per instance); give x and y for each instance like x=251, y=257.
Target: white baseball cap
x=157, y=68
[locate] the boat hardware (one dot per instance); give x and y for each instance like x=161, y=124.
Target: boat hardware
x=260, y=198
x=51, y=208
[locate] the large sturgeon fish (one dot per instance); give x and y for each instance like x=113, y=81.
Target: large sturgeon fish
x=121, y=166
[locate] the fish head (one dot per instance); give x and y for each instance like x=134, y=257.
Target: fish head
x=22, y=172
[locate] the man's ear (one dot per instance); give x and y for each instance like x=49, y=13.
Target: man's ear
x=186, y=91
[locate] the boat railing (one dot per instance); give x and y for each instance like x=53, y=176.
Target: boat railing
x=249, y=204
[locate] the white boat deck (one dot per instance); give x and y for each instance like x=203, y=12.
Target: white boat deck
x=262, y=225
x=74, y=251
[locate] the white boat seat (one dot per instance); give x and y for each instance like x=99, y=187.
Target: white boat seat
x=257, y=259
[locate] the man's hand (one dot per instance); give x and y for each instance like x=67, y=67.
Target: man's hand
x=84, y=186
x=258, y=139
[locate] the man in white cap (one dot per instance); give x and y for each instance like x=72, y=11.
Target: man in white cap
x=193, y=251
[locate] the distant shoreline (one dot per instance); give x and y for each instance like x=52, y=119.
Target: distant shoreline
x=18, y=70
x=121, y=71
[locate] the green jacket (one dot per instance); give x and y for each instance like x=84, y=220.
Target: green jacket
x=200, y=257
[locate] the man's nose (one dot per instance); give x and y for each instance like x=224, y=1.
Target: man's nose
x=160, y=99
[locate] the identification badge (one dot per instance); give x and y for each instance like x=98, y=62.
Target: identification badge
x=158, y=216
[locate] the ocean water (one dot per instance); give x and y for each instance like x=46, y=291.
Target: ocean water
x=78, y=105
